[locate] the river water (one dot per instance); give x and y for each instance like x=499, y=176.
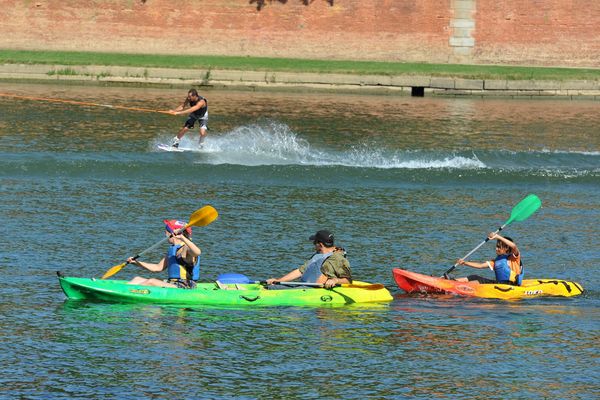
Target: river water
x=402, y=182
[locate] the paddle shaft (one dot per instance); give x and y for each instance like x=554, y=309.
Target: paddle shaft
x=474, y=250
x=82, y=103
x=373, y=286
x=155, y=245
x=311, y=284
x=119, y=267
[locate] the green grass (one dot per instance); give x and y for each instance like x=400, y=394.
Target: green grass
x=64, y=71
x=298, y=65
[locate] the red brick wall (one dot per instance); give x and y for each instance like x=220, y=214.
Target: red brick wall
x=543, y=32
x=561, y=32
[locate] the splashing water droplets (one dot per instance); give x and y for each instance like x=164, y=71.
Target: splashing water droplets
x=276, y=144
x=273, y=144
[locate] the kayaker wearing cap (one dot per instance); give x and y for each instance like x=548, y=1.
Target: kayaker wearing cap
x=327, y=266
x=182, y=260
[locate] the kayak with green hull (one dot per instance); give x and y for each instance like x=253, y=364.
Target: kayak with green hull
x=212, y=293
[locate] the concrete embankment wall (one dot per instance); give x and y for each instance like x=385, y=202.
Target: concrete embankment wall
x=543, y=33
x=272, y=80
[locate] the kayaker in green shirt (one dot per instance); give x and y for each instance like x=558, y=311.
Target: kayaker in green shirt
x=328, y=266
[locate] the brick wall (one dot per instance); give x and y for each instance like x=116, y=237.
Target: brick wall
x=540, y=32
x=560, y=32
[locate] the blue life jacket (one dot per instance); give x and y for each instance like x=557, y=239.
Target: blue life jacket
x=504, y=272
x=313, y=271
x=178, y=268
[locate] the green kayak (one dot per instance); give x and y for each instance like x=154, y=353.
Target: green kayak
x=212, y=293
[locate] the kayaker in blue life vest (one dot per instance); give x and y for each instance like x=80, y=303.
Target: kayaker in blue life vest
x=328, y=266
x=182, y=260
x=197, y=108
x=507, y=265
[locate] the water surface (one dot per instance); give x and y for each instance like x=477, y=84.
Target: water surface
x=402, y=182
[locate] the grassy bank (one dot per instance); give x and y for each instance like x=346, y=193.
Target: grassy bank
x=298, y=65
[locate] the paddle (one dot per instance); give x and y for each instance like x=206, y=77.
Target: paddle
x=374, y=286
x=200, y=217
x=523, y=210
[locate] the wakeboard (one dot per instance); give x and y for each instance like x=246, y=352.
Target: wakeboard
x=169, y=148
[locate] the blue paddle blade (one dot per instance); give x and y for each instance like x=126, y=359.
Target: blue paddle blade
x=232, y=277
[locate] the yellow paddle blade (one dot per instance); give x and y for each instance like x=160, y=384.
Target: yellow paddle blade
x=113, y=270
x=203, y=216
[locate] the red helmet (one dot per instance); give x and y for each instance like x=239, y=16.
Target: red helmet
x=172, y=225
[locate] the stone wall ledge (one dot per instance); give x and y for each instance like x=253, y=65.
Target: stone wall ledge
x=402, y=84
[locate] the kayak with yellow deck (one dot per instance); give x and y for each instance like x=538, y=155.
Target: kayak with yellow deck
x=413, y=282
x=222, y=294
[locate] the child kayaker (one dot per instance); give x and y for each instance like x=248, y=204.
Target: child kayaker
x=507, y=264
x=182, y=260
x=327, y=266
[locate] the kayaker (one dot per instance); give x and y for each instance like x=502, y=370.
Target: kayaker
x=507, y=264
x=328, y=266
x=197, y=108
x=182, y=260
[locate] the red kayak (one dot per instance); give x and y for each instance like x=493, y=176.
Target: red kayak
x=412, y=282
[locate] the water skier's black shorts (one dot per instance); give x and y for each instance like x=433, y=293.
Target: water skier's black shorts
x=191, y=121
